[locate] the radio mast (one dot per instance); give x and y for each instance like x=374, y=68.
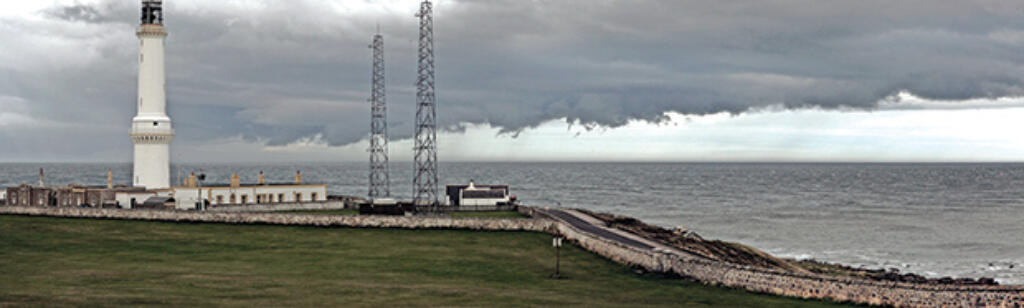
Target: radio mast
x=379, y=179
x=425, y=181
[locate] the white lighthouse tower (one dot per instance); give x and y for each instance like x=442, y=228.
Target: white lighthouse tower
x=151, y=128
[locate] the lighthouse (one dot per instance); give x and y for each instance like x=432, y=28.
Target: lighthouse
x=151, y=128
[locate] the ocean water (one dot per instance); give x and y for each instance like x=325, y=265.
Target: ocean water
x=960, y=220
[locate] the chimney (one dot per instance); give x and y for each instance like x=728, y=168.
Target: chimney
x=235, y=180
x=110, y=179
x=298, y=177
x=262, y=180
x=42, y=178
x=191, y=180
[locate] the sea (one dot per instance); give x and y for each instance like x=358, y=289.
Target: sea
x=936, y=220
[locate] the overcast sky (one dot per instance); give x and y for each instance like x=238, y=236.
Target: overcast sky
x=287, y=80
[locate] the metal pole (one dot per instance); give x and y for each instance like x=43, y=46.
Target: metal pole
x=557, y=242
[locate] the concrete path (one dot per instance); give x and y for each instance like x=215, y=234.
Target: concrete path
x=592, y=225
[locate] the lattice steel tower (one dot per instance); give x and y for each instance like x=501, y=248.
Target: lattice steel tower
x=425, y=181
x=379, y=178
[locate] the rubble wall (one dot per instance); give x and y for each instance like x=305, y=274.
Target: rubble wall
x=802, y=286
x=484, y=224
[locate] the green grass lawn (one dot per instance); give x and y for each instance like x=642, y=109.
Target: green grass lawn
x=55, y=261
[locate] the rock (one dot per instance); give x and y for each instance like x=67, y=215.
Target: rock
x=680, y=230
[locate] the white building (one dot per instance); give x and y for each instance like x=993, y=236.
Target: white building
x=128, y=198
x=474, y=196
x=152, y=134
x=151, y=128
x=238, y=194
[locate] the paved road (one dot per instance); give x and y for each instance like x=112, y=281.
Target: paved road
x=582, y=225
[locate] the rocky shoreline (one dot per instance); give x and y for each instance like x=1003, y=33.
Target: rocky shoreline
x=735, y=253
x=892, y=274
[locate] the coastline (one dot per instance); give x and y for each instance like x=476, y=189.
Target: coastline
x=745, y=255
x=686, y=265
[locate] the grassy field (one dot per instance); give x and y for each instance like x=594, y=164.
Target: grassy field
x=54, y=261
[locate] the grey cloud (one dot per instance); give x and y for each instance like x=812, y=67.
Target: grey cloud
x=77, y=12
x=293, y=69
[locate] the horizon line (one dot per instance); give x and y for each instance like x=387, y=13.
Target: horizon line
x=273, y=162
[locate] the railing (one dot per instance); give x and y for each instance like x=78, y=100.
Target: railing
x=160, y=131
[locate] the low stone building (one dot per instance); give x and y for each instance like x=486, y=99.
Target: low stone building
x=75, y=195
x=478, y=195
x=64, y=196
x=30, y=195
x=183, y=197
x=238, y=194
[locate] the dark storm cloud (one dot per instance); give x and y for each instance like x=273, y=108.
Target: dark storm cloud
x=286, y=70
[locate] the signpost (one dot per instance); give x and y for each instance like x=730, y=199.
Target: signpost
x=557, y=243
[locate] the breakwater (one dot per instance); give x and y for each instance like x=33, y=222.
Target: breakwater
x=687, y=266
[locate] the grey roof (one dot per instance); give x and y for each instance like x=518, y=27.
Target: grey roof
x=158, y=201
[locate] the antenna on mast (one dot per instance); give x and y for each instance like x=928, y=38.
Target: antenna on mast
x=379, y=178
x=425, y=180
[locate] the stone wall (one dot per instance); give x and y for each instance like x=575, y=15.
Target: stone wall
x=687, y=266
x=802, y=286
x=277, y=207
x=484, y=224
